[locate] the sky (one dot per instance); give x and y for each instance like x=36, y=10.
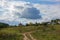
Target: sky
x=14, y=12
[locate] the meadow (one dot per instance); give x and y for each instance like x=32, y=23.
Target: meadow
x=31, y=32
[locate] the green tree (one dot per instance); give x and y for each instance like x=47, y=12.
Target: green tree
x=55, y=21
x=3, y=25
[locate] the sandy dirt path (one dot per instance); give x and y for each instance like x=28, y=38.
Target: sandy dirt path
x=29, y=34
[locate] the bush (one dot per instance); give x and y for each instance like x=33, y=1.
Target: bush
x=3, y=25
x=10, y=34
x=5, y=36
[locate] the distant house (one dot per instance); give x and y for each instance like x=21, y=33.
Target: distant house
x=20, y=24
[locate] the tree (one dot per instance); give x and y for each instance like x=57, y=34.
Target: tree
x=55, y=21
x=3, y=25
x=30, y=24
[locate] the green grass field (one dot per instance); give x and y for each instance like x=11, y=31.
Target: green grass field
x=52, y=32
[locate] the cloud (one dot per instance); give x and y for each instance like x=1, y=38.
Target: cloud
x=14, y=12
x=50, y=11
x=34, y=0
x=31, y=13
x=50, y=0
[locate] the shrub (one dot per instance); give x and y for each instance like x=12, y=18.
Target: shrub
x=3, y=25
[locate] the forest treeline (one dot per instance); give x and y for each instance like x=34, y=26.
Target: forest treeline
x=52, y=22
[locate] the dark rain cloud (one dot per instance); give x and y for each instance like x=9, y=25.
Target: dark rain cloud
x=31, y=13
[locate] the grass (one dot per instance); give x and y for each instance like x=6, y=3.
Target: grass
x=10, y=34
x=52, y=32
x=48, y=34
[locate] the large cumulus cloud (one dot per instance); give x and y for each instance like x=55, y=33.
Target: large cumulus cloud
x=14, y=12
x=31, y=13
